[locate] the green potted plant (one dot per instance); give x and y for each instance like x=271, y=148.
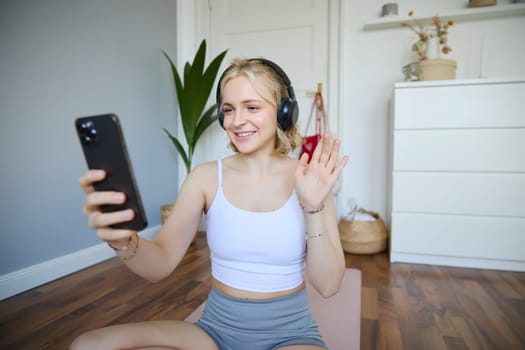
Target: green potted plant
x=192, y=94
x=193, y=91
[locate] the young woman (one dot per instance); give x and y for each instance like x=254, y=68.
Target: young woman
x=270, y=218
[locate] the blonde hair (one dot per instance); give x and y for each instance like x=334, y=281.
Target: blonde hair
x=272, y=88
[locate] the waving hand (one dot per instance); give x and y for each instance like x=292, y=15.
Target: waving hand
x=315, y=180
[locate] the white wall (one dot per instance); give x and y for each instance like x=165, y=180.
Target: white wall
x=371, y=64
x=60, y=59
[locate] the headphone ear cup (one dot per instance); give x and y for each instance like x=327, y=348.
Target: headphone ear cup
x=288, y=113
x=218, y=99
x=220, y=115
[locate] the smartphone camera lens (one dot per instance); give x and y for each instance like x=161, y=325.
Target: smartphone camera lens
x=86, y=125
x=88, y=133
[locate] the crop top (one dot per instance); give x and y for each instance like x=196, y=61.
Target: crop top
x=256, y=251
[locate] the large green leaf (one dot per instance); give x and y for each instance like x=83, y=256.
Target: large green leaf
x=208, y=118
x=211, y=73
x=179, y=89
x=193, y=90
x=193, y=85
x=182, y=152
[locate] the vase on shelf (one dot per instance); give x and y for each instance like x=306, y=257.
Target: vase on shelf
x=433, y=48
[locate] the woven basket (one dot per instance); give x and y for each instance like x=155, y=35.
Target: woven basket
x=437, y=69
x=363, y=237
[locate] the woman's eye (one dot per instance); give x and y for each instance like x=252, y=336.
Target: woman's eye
x=253, y=108
x=227, y=110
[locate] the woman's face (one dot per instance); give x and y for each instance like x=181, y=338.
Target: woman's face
x=249, y=119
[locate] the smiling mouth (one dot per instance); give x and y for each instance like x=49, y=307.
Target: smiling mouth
x=245, y=134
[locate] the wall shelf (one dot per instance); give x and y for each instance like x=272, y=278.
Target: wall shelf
x=459, y=15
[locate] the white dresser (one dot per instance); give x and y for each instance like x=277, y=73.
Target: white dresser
x=458, y=174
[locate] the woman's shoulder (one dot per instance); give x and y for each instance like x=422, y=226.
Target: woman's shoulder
x=204, y=170
x=202, y=179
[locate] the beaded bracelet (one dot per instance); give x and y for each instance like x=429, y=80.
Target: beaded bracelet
x=126, y=248
x=312, y=211
x=315, y=235
x=132, y=254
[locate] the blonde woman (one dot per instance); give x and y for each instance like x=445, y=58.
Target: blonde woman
x=270, y=217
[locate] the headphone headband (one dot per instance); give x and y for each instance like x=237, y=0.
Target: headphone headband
x=287, y=110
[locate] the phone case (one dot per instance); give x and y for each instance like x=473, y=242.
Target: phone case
x=104, y=147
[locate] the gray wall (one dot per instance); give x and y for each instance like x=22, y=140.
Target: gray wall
x=60, y=59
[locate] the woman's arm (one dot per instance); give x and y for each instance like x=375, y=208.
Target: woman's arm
x=155, y=259
x=314, y=182
x=325, y=262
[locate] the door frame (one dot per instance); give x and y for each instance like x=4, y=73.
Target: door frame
x=193, y=23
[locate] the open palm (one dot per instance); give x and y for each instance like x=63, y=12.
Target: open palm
x=315, y=179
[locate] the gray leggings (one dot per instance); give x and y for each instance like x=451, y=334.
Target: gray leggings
x=238, y=324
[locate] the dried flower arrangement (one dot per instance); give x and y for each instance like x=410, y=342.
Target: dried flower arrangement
x=438, y=29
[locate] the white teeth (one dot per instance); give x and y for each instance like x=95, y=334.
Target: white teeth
x=247, y=133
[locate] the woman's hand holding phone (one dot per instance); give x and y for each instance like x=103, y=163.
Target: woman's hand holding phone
x=101, y=221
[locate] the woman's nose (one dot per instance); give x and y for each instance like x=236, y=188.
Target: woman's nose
x=238, y=118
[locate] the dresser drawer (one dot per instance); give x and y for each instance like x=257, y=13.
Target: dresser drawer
x=481, y=150
x=459, y=193
x=460, y=106
x=459, y=236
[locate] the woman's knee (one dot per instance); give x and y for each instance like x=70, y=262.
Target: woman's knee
x=85, y=341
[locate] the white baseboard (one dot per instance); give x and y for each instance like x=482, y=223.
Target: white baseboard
x=36, y=275
x=455, y=261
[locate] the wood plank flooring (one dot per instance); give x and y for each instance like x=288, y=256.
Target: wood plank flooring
x=404, y=306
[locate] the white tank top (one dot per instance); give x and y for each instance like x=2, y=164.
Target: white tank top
x=256, y=251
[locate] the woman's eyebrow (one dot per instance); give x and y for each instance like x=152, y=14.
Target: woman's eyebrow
x=247, y=101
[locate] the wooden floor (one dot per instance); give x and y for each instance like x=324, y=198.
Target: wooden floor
x=404, y=306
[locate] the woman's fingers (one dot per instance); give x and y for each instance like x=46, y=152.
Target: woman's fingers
x=302, y=165
x=316, y=155
x=87, y=180
x=339, y=168
x=116, y=237
x=325, y=149
x=102, y=222
x=106, y=197
x=95, y=199
x=98, y=219
x=326, y=154
x=334, y=154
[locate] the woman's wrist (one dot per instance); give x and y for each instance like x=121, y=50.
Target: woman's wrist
x=129, y=250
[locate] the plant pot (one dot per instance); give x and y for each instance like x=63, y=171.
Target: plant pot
x=437, y=69
x=165, y=211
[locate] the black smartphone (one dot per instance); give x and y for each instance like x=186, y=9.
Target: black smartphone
x=104, y=148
